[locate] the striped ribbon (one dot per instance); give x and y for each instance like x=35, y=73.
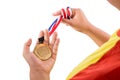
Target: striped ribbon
x=65, y=13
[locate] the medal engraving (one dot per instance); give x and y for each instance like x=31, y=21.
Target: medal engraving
x=42, y=51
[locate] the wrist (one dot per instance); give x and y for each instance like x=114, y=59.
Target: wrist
x=39, y=75
x=88, y=28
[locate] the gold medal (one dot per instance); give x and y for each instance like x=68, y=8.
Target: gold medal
x=42, y=51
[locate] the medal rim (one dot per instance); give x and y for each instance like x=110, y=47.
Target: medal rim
x=39, y=46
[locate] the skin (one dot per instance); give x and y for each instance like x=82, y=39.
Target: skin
x=115, y=3
x=40, y=70
x=80, y=23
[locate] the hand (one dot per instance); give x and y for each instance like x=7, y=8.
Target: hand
x=80, y=23
x=40, y=70
x=78, y=20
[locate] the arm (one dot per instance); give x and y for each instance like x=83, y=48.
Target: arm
x=40, y=70
x=38, y=75
x=115, y=3
x=97, y=35
x=80, y=23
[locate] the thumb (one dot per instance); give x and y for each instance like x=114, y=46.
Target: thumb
x=26, y=48
x=57, y=13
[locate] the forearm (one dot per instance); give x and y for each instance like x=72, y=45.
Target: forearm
x=97, y=35
x=38, y=75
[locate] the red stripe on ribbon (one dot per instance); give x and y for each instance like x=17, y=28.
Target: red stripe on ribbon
x=64, y=14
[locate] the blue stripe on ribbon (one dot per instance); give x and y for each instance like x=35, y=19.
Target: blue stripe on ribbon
x=52, y=24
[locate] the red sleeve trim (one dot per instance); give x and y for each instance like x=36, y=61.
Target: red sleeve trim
x=118, y=33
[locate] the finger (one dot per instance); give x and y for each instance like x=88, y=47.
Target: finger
x=67, y=21
x=26, y=49
x=73, y=12
x=57, y=13
x=41, y=34
x=55, y=48
x=46, y=37
x=54, y=37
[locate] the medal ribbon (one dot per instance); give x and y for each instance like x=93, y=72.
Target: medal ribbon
x=66, y=14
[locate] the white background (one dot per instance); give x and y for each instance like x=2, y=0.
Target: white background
x=23, y=19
